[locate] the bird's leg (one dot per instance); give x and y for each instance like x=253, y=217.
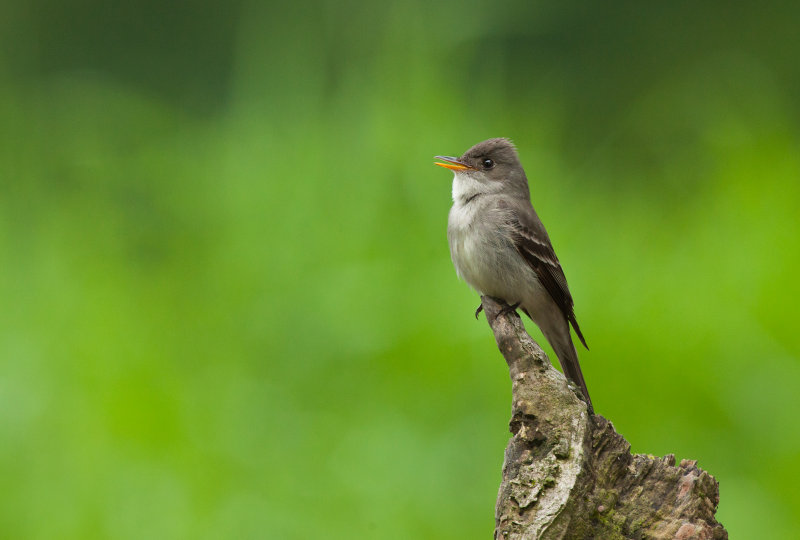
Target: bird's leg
x=508, y=309
x=505, y=310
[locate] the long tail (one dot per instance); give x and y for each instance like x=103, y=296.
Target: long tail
x=568, y=358
x=561, y=341
x=555, y=328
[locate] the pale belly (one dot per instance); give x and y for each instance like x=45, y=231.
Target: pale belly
x=489, y=263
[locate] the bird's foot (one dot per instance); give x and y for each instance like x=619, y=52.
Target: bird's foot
x=505, y=310
x=508, y=309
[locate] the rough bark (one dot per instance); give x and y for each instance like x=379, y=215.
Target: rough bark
x=569, y=474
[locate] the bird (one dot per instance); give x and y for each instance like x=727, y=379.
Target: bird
x=500, y=247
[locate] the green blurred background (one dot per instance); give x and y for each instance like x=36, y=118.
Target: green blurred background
x=228, y=305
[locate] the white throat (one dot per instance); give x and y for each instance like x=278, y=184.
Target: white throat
x=465, y=187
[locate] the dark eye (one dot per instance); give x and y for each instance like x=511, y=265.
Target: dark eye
x=488, y=163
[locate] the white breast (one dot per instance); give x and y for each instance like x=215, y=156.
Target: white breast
x=480, y=246
x=470, y=241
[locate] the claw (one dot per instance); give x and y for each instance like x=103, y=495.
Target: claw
x=505, y=310
x=509, y=309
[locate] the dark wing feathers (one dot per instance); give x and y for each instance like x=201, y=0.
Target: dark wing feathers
x=534, y=245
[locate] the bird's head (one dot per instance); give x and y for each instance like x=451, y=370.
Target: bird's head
x=490, y=166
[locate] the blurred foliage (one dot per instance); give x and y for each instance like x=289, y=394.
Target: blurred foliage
x=229, y=306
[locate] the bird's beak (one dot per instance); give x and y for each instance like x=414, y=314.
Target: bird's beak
x=452, y=163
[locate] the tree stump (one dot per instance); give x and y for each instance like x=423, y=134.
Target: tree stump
x=568, y=474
